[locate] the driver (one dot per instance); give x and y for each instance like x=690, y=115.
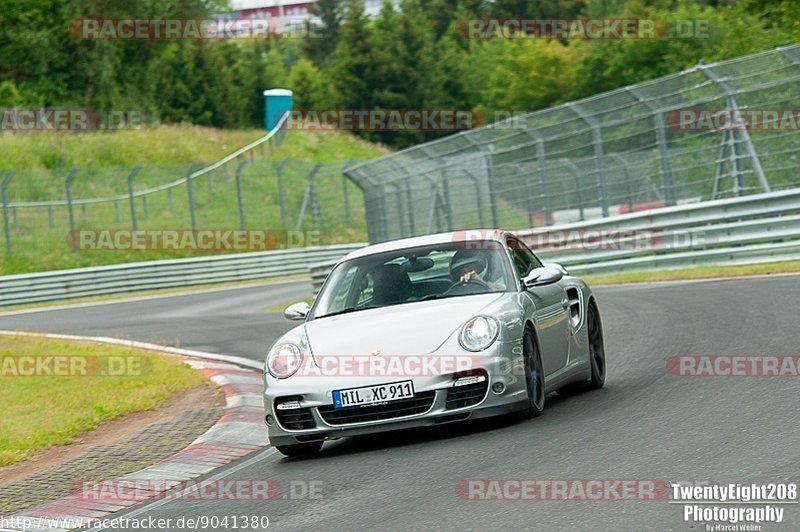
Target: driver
x=469, y=265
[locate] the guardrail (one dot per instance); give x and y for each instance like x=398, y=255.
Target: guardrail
x=319, y=272
x=136, y=277
x=744, y=230
x=749, y=229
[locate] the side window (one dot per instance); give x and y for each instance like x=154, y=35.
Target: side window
x=523, y=260
x=341, y=291
x=535, y=262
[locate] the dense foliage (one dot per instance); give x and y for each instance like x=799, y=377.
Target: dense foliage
x=410, y=57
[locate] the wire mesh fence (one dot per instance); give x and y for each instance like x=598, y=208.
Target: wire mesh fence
x=253, y=191
x=714, y=131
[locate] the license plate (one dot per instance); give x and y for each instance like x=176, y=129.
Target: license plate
x=368, y=395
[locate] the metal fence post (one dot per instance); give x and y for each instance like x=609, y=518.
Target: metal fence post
x=308, y=196
x=529, y=203
x=4, y=198
x=51, y=220
x=720, y=165
x=191, y=195
x=131, y=200
x=448, y=208
x=667, y=175
x=478, y=195
x=347, y=197
x=281, y=194
x=316, y=209
x=399, y=199
x=68, y=187
x=624, y=165
x=597, y=141
x=730, y=101
x=540, y=155
x=490, y=190
x=542, y=160
x=577, y=172
x=239, y=201
x=170, y=201
x=410, y=203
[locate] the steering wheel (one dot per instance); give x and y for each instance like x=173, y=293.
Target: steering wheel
x=471, y=286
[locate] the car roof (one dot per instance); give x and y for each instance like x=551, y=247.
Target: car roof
x=428, y=240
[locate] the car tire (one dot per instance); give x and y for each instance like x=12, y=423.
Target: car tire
x=534, y=375
x=597, y=355
x=300, y=449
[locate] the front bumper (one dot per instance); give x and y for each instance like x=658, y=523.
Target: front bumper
x=502, y=363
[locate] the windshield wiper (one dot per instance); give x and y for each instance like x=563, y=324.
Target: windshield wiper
x=347, y=311
x=430, y=297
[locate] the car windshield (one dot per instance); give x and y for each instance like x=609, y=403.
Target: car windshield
x=415, y=274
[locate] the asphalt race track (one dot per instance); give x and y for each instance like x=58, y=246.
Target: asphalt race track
x=645, y=424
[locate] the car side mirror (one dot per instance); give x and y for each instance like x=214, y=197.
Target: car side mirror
x=557, y=266
x=296, y=312
x=542, y=276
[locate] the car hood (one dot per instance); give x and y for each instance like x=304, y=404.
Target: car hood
x=407, y=329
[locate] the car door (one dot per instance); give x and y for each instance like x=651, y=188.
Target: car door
x=550, y=313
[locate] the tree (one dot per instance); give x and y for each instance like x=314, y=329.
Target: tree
x=352, y=66
x=531, y=74
x=308, y=86
x=9, y=95
x=275, y=74
x=322, y=40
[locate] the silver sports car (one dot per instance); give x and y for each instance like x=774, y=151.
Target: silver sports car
x=430, y=330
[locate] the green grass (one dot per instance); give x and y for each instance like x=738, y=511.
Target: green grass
x=39, y=236
x=701, y=272
x=167, y=145
x=43, y=411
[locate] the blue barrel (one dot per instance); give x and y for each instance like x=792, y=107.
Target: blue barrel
x=276, y=103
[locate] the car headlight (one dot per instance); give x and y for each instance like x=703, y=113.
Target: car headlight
x=479, y=333
x=284, y=360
